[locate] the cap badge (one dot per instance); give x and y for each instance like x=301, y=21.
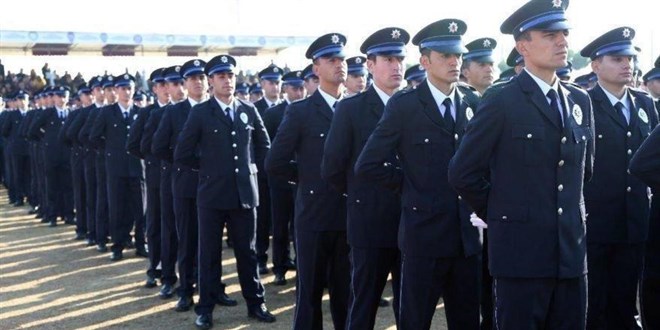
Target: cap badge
x=396, y=34
x=486, y=43
x=453, y=27
x=334, y=39
x=196, y=63
x=556, y=3
x=223, y=59
x=177, y=68
x=358, y=60
x=125, y=76
x=626, y=33
x=276, y=70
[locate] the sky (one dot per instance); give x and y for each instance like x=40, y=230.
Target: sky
x=355, y=19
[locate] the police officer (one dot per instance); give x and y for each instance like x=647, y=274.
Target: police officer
x=414, y=76
x=478, y=63
x=564, y=74
x=225, y=139
x=34, y=194
x=320, y=220
x=652, y=83
x=169, y=239
x=152, y=174
x=242, y=90
x=311, y=80
x=521, y=167
x=19, y=147
x=424, y=126
x=282, y=192
x=256, y=93
x=373, y=210
x=271, y=82
x=515, y=60
x=645, y=165
x=103, y=96
x=586, y=81
x=124, y=171
x=617, y=202
x=56, y=154
x=77, y=164
x=356, y=80
x=89, y=156
x=38, y=153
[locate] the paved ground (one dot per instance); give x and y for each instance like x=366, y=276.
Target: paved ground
x=50, y=281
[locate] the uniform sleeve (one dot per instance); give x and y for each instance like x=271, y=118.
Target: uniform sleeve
x=6, y=125
x=35, y=132
x=373, y=162
x=149, y=130
x=191, y=133
x=61, y=135
x=337, y=149
x=160, y=144
x=135, y=134
x=469, y=167
x=279, y=160
x=645, y=164
x=97, y=131
x=591, y=145
x=74, y=128
x=83, y=135
x=261, y=142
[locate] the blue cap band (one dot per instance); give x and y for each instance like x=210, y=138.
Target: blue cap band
x=192, y=71
x=220, y=68
x=122, y=83
x=478, y=53
x=653, y=76
x=271, y=76
x=614, y=48
x=547, y=17
x=417, y=75
x=329, y=50
x=455, y=42
x=84, y=90
x=387, y=48
x=293, y=82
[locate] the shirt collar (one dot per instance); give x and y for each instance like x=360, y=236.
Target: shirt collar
x=545, y=88
x=193, y=102
x=99, y=105
x=383, y=96
x=124, y=109
x=329, y=99
x=613, y=99
x=270, y=104
x=439, y=96
x=224, y=106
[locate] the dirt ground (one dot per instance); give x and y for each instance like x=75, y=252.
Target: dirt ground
x=48, y=280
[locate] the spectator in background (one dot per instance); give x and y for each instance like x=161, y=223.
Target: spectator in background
x=2, y=71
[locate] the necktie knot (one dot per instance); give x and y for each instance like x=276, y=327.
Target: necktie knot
x=449, y=120
x=552, y=94
x=621, y=112
x=334, y=105
x=228, y=113
x=554, y=105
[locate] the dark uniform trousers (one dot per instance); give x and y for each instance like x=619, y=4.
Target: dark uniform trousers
x=439, y=246
x=168, y=236
x=618, y=207
x=645, y=165
x=152, y=188
x=282, y=200
x=226, y=153
x=522, y=170
x=373, y=210
x=320, y=220
x=19, y=155
x=96, y=168
x=124, y=176
x=77, y=174
x=184, y=193
x=264, y=219
x=57, y=161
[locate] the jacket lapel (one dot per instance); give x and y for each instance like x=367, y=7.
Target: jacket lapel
x=533, y=91
x=219, y=112
x=606, y=106
x=461, y=118
x=374, y=103
x=321, y=105
x=636, y=107
x=431, y=109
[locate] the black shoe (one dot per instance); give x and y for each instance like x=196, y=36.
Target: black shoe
x=279, y=279
x=261, y=313
x=290, y=265
x=70, y=221
x=383, y=302
x=204, y=321
x=102, y=248
x=80, y=237
x=151, y=282
x=184, y=304
x=224, y=300
x=167, y=291
x=53, y=223
x=263, y=270
x=141, y=252
x=116, y=256
x=91, y=242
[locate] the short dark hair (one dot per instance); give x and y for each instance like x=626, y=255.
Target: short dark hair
x=527, y=36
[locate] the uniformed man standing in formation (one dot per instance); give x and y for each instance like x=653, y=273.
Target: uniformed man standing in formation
x=282, y=191
x=18, y=148
x=320, y=221
x=224, y=139
x=616, y=201
x=521, y=167
x=373, y=210
x=478, y=64
x=356, y=80
x=311, y=80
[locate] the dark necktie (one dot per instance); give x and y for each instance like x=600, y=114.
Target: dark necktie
x=228, y=114
x=554, y=105
x=620, y=112
x=449, y=120
x=334, y=106
x=125, y=115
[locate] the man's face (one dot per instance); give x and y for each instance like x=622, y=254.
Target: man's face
x=311, y=84
x=442, y=67
x=85, y=99
x=97, y=92
x=271, y=88
x=546, y=50
x=176, y=90
x=387, y=71
x=110, y=96
x=331, y=69
x=160, y=89
x=223, y=84
x=614, y=70
x=125, y=93
x=479, y=74
x=254, y=97
x=196, y=85
x=60, y=101
x=141, y=102
x=242, y=96
x=294, y=93
x=653, y=86
x=22, y=103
